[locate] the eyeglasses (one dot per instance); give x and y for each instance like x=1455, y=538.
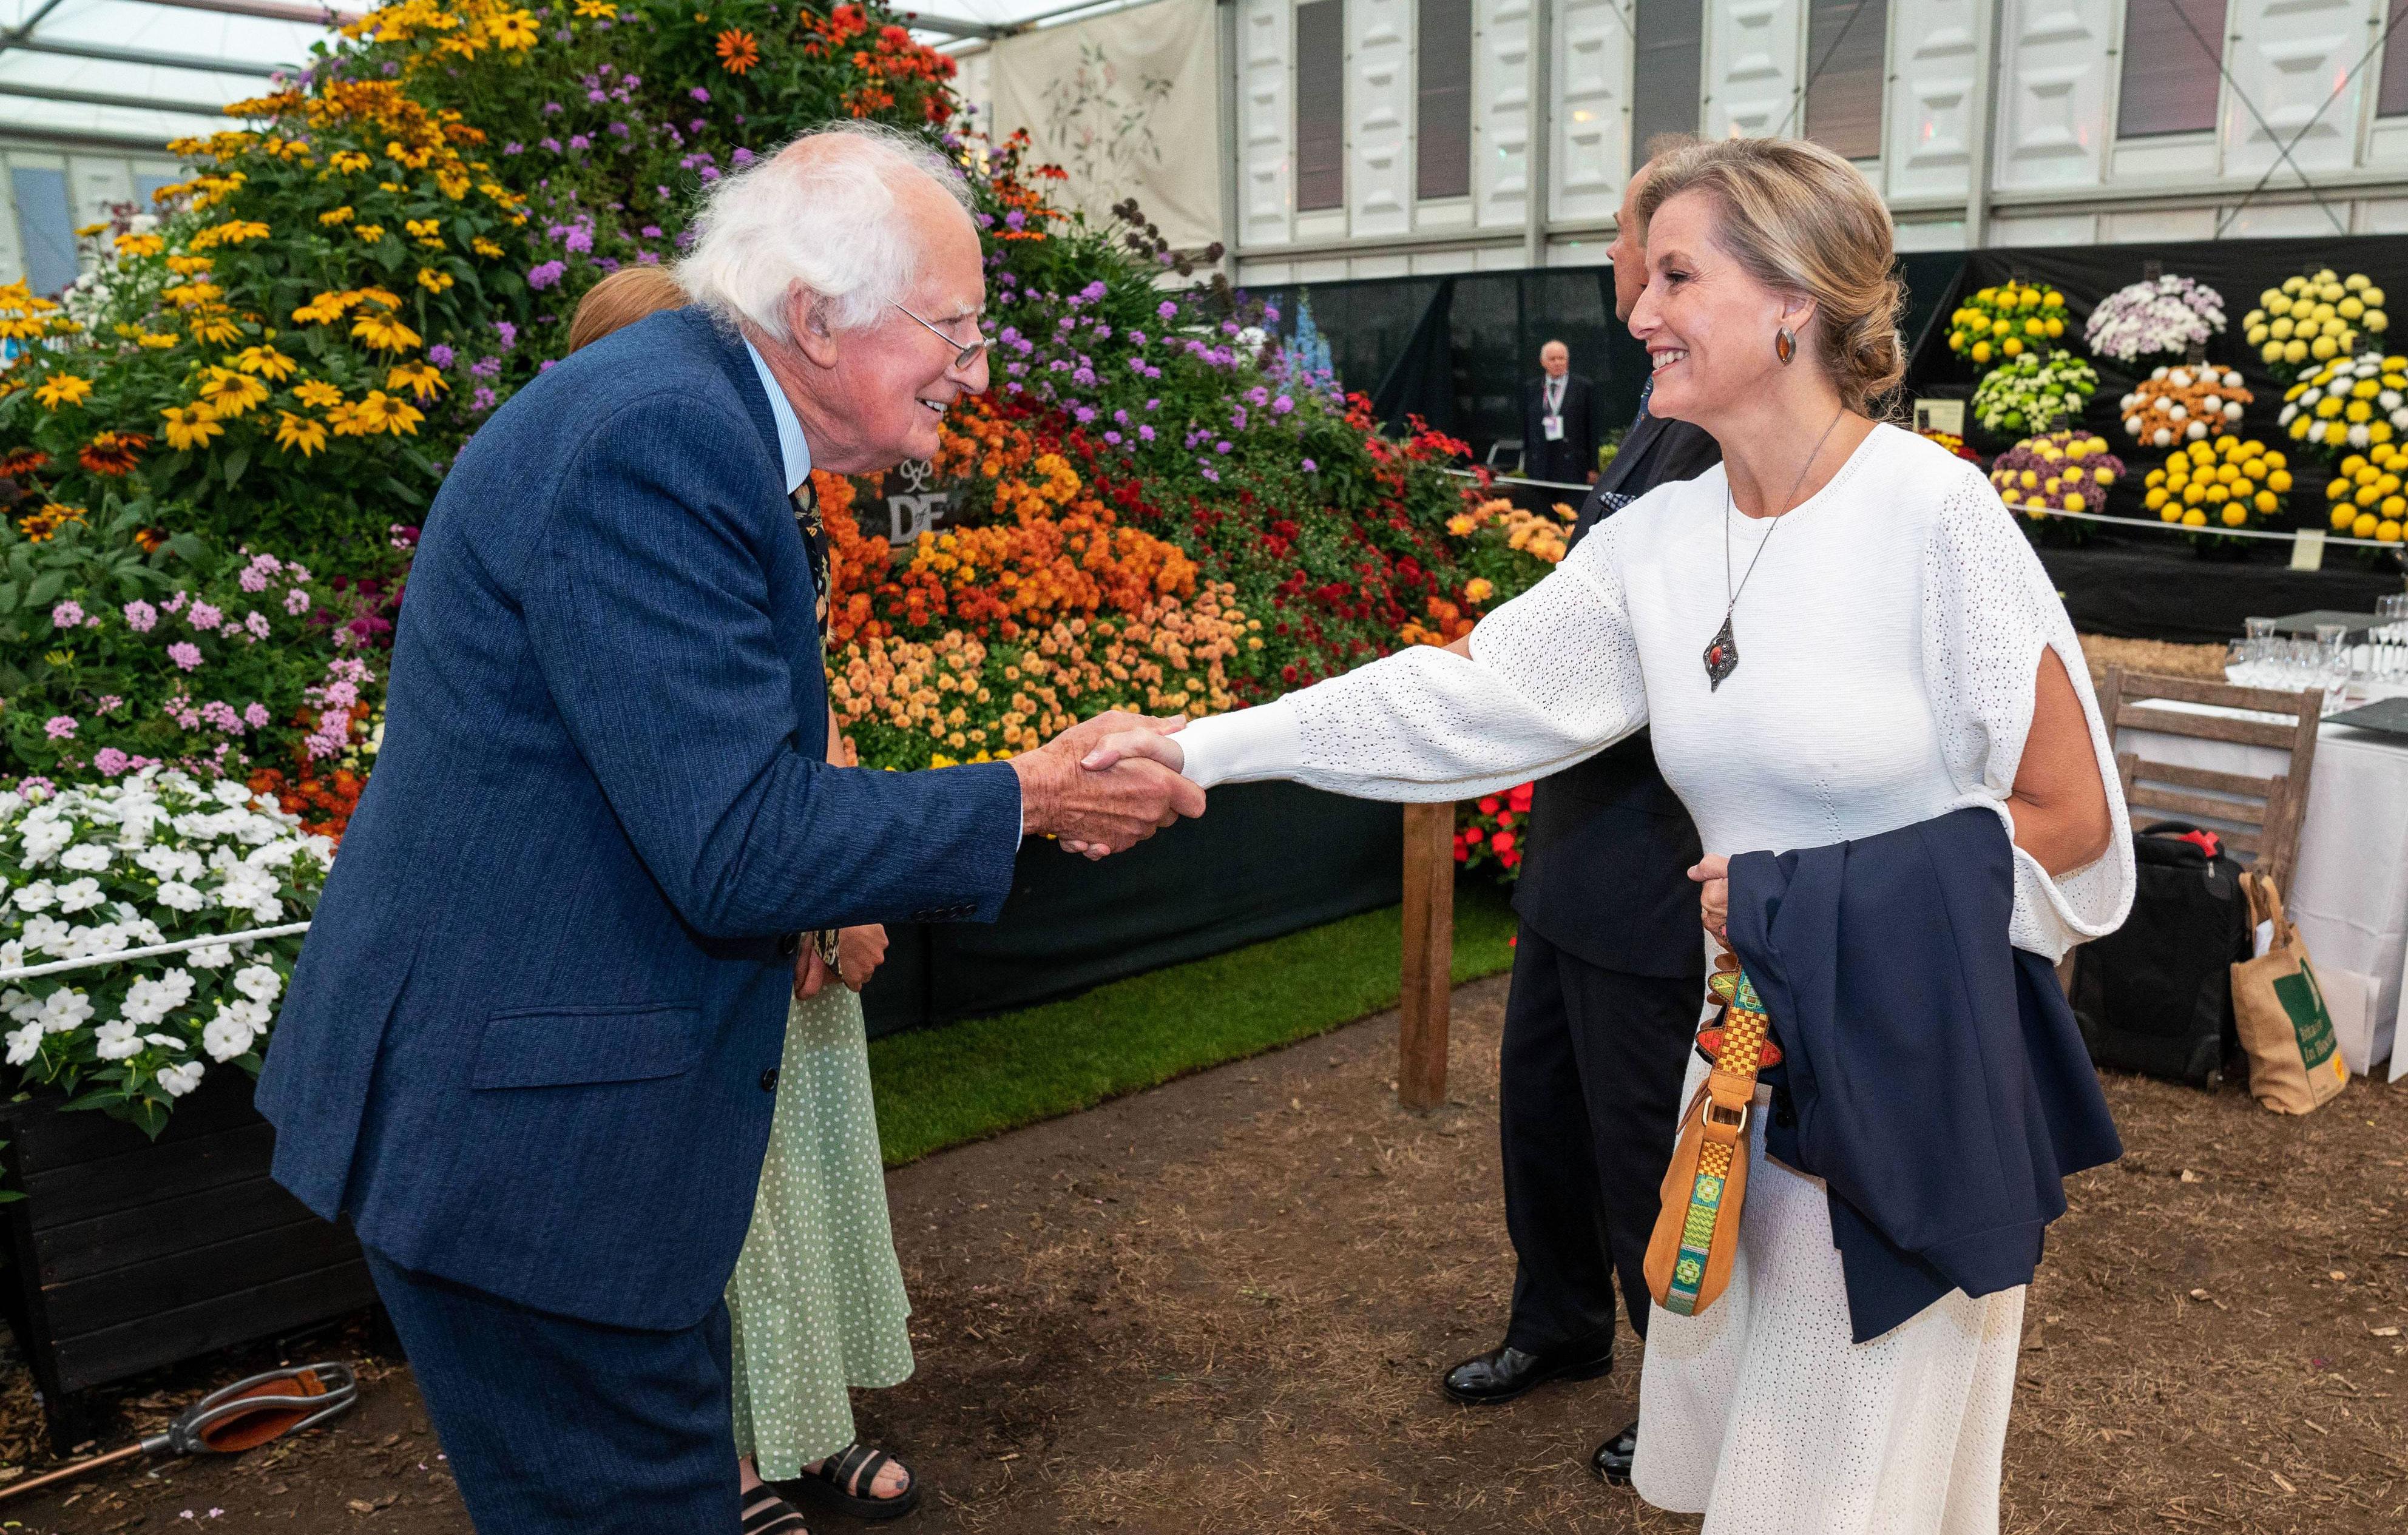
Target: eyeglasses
x=964, y=355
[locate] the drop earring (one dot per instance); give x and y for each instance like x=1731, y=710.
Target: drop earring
x=1784, y=345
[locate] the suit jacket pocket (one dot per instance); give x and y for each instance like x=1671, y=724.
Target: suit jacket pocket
x=559, y=1047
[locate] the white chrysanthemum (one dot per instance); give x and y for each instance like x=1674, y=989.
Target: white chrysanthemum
x=176, y=1081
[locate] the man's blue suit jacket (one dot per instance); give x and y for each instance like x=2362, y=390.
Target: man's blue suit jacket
x=529, y=1040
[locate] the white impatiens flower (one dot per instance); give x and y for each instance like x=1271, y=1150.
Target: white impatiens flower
x=64, y=1010
x=37, y=896
x=117, y=1040
x=19, y=1007
x=12, y=954
x=79, y=895
x=146, y=1000
x=48, y=935
x=23, y=1043
x=44, y=838
x=210, y=956
x=230, y=1033
x=244, y=888
x=260, y=982
x=177, y=895
x=232, y=793
x=171, y=862
x=176, y=1081
x=85, y=857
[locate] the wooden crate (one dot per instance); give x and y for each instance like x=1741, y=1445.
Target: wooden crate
x=129, y=1254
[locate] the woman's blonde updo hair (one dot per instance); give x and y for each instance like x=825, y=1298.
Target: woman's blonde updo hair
x=1803, y=220
x=627, y=295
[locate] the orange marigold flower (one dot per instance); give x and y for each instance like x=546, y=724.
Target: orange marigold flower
x=737, y=51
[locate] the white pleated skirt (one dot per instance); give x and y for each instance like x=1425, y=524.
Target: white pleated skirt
x=1763, y=1415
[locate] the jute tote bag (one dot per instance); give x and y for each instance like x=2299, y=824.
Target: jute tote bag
x=2295, y=1065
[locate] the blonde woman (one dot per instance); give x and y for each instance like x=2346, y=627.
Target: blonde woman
x=817, y=1303
x=1839, y=633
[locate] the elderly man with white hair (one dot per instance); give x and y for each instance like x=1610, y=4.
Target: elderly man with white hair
x=531, y=1047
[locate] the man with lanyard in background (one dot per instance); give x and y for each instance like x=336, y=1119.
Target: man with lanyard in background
x=1606, y=992
x=1558, y=423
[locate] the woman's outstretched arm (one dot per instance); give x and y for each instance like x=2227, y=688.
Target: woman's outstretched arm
x=2059, y=801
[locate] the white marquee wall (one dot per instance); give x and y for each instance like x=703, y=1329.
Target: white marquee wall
x=2026, y=87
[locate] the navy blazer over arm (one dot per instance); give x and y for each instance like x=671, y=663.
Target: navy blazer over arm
x=530, y=1041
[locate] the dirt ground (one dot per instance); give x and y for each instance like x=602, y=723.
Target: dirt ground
x=1223, y=1305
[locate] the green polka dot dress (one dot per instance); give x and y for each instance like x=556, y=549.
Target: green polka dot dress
x=817, y=1300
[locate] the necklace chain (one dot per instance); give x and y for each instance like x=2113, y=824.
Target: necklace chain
x=1730, y=602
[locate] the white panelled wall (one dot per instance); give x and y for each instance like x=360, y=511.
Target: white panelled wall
x=1999, y=126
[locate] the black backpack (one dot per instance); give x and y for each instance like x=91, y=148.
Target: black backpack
x=2155, y=995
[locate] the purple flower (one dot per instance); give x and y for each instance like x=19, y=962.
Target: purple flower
x=1311, y=468
x=1086, y=414
x=111, y=761
x=1136, y=338
x=185, y=654
x=67, y=614
x=485, y=367
x=579, y=142
x=698, y=94
x=552, y=144
x=740, y=156
x=253, y=580
x=1210, y=475
x=205, y=617
x=650, y=231
x=483, y=400
x=514, y=147
x=1015, y=220
x=1121, y=416
x=1112, y=438
x=708, y=173
x=140, y=616
x=217, y=712
x=547, y=275
x=1085, y=378
x=296, y=602
x=255, y=715
x=256, y=622
x=61, y=727
x=1238, y=419
x=1154, y=405
x=648, y=258
x=508, y=332
x=597, y=96
x=1094, y=291
x=621, y=130
x=694, y=127
x=551, y=107
x=1270, y=314
x=1166, y=309
x=579, y=239
x=1145, y=434
x=1282, y=405
x=441, y=356
x=1222, y=446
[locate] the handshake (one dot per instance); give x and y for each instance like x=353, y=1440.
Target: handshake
x=1107, y=784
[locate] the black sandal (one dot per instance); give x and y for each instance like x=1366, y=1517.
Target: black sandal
x=767, y=1513
x=836, y=1486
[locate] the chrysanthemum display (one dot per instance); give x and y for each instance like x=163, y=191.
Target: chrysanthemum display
x=2365, y=496
x=2229, y=482
x=2031, y=393
x=2183, y=404
x=2312, y=320
x=2011, y=320
x=2064, y=471
x=2349, y=403
x=149, y=859
x=2167, y=314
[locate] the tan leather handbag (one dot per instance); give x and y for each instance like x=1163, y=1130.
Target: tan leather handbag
x=1696, y=1232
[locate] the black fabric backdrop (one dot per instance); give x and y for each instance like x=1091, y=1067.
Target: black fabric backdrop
x=1270, y=858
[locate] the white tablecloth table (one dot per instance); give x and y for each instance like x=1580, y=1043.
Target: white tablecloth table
x=2349, y=886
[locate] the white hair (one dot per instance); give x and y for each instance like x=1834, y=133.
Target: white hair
x=820, y=214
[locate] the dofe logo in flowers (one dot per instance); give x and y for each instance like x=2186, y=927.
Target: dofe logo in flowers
x=919, y=509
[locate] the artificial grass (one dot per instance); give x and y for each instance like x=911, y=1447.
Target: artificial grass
x=939, y=1087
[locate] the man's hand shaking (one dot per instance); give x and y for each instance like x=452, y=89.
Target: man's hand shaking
x=1104, y=810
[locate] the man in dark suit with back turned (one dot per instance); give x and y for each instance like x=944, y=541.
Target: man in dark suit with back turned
x=1607, y=982
x=1559, y=422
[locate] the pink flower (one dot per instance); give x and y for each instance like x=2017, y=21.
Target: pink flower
x=108, y=704
x=341, y=694
x=111, y=761
x=175, y=603
x=296, y=602
x=254, y=579
x=205, y=617
x=256, y=714
x=185, y=654
x=61, y=727
x=67, y=614
x=256, y=622
x=140, y=616
x=217, y=711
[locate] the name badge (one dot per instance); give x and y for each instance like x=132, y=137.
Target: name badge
x=1553, y=426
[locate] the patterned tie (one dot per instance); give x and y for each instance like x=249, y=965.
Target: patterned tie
x=815, y=545
x=1646, y=390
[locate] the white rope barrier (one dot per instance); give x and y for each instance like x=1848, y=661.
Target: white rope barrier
x=1517, y=479
x=24, y=973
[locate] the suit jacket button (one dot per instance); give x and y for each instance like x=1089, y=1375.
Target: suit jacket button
x=769, y=1080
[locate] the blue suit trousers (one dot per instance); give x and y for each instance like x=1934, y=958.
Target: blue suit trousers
x=558, y=1427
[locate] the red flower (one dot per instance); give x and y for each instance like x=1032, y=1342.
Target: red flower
x=1501, y=844
x=1518, y=797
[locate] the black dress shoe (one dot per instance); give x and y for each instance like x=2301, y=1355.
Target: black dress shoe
x=1614, y=1458
x=1504, y=1373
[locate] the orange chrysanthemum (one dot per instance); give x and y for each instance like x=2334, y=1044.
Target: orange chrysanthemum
x=737, y=52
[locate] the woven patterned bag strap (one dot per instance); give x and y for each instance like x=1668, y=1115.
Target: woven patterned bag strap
x=1730, y=1091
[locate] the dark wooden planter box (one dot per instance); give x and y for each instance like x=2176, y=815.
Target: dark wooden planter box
x=128, y=1254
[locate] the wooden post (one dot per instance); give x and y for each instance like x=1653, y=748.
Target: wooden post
x=1429, y=955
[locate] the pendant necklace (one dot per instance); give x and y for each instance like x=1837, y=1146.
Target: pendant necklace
x=1722, y=655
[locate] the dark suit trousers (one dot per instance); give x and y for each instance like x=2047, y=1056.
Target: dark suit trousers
x=1589, y=1086
x=558, y=1427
